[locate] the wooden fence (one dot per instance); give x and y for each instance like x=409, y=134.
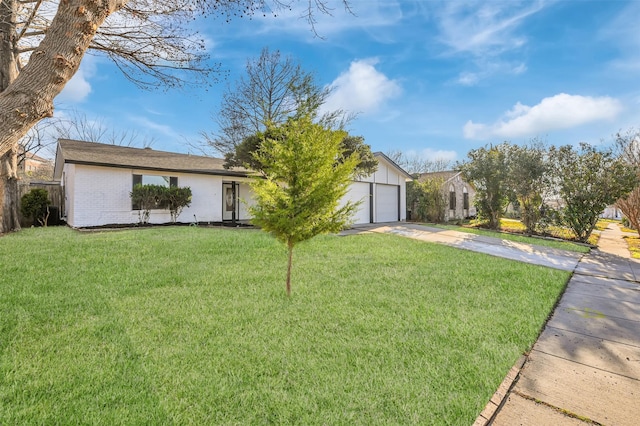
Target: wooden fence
x=56, y=197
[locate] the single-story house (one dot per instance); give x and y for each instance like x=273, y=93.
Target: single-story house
x=460, y=195
x=97, y=180
x=612, y=212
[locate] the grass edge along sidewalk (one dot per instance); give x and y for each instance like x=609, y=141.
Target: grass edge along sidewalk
x=191, y=325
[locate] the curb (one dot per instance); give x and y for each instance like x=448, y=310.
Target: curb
x=500, y=396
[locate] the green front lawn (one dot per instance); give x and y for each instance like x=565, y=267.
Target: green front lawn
x=183, y=325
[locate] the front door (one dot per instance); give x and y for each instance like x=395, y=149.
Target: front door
x=230, y=205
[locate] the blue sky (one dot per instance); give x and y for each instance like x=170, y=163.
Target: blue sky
x=429, y=78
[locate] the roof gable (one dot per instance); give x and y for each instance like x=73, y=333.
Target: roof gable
x=389, y=161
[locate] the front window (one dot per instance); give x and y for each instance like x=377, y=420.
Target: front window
x=166, y=181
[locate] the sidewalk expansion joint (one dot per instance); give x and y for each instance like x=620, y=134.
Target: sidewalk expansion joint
x=558, y=409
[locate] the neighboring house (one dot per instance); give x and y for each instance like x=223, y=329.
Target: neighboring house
x=460, y=195
x=32, y=166
x=612, y=212
x=97, y=180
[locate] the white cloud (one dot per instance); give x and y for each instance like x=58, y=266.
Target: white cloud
x=623, y=34
x=468, y=78
x=361, y=89
x=484, y=31
x=150, y=125
x=484, y=28
x=487, y=69
x=561, y=111
x=78, y=88
x=336, y=19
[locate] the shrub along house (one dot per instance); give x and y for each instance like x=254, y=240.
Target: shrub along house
x=97, y=180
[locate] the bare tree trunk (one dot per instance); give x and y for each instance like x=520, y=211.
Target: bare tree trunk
x=27, y=97
x=8, y=64
x=9, y=220
x=290, y=245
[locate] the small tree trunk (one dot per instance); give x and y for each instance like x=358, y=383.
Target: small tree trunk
x=9, y=220
x=290, y=245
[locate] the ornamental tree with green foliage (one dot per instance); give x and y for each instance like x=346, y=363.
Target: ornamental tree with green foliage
x=588, y=180
x=426, y=199
x=305, y=177
x=148, y=197
x=145, y=198
x=35, y=205
x=177, y=198
x=527, y=179
x=487, y=169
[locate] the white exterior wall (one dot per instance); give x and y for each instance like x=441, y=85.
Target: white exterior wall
x=246, y=200
x=97, y=196
x=206, y=197
x=385, y=175
x=68, y=183
x=359, y=191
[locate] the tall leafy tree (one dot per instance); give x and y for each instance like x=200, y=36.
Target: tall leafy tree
x=299, y=195
x=588, y=180
x=273, y=89
x=42, y=43
x=244, y=154
x=527, y=178
x=487, y=169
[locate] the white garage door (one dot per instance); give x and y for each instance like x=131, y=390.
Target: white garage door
x=386, y=203
x=360, y=191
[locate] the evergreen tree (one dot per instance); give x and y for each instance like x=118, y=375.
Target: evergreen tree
x=305, y=177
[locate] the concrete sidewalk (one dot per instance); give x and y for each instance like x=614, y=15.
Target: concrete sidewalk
x=585, y=366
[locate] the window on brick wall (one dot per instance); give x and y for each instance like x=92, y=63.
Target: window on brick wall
x=167, y=181
x=452, y=198
x=465, y=198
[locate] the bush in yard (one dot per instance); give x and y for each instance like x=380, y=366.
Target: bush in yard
x=177, y=199
x=487, y=169
x=35, y=205
x=145, y=198
x=588, y=180
x=427, y=199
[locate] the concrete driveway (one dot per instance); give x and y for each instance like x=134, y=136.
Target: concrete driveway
x=529, y=253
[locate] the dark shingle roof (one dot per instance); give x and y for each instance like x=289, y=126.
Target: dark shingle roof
x=98, y=154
